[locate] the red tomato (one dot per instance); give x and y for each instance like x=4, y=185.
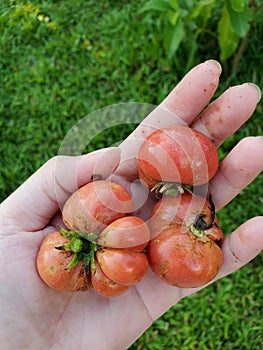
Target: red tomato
x=177, y=154
x=121, y=262
x=104, y=285
x=130, y=233
x=182, y=259
x=187, y=210
x=52, y=263
x=111, y=270
x=95, y=205
x=148, y=181
x=123, y=266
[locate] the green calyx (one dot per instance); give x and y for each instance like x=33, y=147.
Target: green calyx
x=83, y=247
x=196, y=232
x=75, y=245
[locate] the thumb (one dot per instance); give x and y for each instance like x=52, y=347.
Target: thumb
x=37, y=200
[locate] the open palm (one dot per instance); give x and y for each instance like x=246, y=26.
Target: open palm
x=33, y=316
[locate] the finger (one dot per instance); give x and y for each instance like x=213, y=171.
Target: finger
x=243, y=245
x=240, y=167
x=181, y=106
x=238, y=249
x=185, y=102
x=36, y=201
x=228, y=112
x=194, y=91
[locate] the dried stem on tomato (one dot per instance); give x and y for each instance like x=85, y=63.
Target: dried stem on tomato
x=171, y=189
x=200, y=223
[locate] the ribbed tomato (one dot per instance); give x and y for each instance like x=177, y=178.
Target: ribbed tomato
x=104, y=285
x=104, y=247
x=52, y=266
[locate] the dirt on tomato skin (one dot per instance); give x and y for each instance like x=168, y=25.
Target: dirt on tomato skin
x=52, y=268
x=183, y=260
x=163, y=267
x=86, y=282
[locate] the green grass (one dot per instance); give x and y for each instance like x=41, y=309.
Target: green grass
x=219, y=317
x=63, y=60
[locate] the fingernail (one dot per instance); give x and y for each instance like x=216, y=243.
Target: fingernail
x=215, y=63
x=256, y=88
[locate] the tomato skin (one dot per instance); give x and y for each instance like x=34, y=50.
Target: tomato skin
x=121, y=262
x=95, y=205
x=183, y=260
x=147, y=181
x=52, y=263
x=123, y=266
x=104, y=285
x=183, y=209
x=130, y=233
x=177, y=154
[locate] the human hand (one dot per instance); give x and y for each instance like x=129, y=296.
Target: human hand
x=34, y=316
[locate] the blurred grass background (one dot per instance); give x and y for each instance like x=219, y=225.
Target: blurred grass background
x=61, y=60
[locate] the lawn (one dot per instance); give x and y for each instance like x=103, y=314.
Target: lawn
x=61, y=60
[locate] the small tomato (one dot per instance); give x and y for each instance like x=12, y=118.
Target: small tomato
x=130, y=233
x=177, y=154
x=182, y=259
x=104, y=285
x=123, y=266
x=52, y=266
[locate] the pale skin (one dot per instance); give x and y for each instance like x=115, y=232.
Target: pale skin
x=33, y=316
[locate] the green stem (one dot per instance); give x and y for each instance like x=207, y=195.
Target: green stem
x=196, y=232
x=92, y=256
x=75, y=245
x=77, y=258
x=240, y=52
x=82, y=245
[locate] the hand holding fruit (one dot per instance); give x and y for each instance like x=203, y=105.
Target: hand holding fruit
x=97, y=214
x=39, y=316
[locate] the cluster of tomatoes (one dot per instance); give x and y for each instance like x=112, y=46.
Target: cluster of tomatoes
x=108, y=248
